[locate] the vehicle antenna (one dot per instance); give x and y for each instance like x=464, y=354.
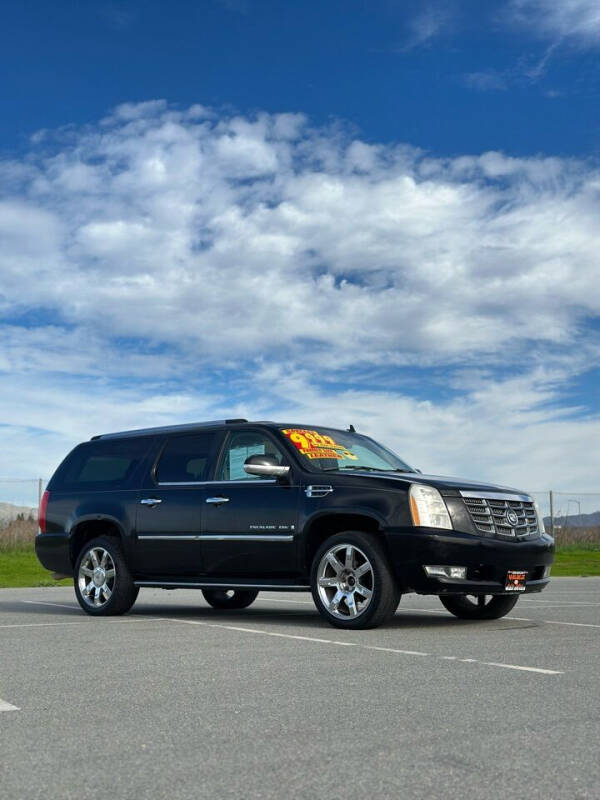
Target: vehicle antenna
x=351, y=429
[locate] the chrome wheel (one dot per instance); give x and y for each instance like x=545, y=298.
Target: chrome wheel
x=345, y=581
x=479, y=600
x=96, y=577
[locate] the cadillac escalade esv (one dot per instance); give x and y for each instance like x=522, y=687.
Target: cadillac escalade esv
x=235, y=507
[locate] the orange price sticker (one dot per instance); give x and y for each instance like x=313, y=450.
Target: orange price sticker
x=313, y=444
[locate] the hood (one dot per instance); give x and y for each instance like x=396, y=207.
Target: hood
x=441, y=482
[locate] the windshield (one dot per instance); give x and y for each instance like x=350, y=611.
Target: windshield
x=329, y=450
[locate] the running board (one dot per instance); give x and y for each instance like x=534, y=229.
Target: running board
x=235, y=584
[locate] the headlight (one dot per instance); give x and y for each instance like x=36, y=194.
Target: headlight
x=427, y=508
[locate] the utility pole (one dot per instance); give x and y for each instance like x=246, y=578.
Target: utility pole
x=551, y=513
x=40, y=484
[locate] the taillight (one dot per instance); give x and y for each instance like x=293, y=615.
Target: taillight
x=42, y=511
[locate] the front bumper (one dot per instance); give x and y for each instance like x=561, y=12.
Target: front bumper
x=54, y=552
x=487, y=560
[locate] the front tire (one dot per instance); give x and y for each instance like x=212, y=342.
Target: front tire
x=229, y=598
x=352, y=583
x=465, y=606
x=103, y=582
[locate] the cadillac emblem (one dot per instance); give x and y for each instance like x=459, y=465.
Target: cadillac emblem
x=512, y=518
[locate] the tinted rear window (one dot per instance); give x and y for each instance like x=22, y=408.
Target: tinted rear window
x=185, y=458
x=102, y=464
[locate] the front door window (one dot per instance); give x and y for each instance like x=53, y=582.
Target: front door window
x=240, y=446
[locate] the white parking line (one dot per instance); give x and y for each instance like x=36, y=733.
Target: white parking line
x=258, y=631
x=394, y=650
x=558, y=622
x=564, y=603
x=40, y=624
x=519, y=619
x=281, y=600
x=552, y=606
x=441, y=612
x=4, y=706
x=72, y=607
x=522, y=669
x=264, y=633
x=86, y=621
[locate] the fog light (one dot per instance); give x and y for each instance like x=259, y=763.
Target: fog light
x=459, y=573
x=547, y=569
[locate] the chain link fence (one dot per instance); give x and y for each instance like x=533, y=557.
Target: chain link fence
x=571, y=517
x=19, y=502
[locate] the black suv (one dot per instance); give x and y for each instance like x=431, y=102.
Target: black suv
x=234, y=507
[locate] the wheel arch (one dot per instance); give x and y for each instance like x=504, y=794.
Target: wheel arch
x=88, y=528
x=322, y=526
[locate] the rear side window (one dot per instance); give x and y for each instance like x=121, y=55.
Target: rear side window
x=102, y=464
x=185, y=459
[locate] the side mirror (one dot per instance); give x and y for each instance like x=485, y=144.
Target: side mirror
x=264, y=465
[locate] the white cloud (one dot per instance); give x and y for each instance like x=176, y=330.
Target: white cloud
x=488, y=80
x=433, y=20
x=507, y=431
x=170, y=265
x=577, y=20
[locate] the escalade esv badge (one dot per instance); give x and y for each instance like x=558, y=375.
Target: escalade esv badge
x=236, y=507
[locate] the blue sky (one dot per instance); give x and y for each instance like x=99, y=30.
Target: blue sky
x=452, y=77
x=382, y=213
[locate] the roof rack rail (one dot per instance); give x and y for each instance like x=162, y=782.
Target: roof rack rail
x=185, y=428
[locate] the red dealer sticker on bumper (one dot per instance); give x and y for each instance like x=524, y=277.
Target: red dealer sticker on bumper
x=515, y=581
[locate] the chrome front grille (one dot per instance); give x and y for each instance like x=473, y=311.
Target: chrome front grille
x=506, y=516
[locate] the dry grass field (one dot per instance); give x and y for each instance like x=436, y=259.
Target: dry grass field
x=575, y=536
x=18, y=535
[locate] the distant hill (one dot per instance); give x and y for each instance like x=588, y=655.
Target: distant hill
x=576, y=520
x=10, y=512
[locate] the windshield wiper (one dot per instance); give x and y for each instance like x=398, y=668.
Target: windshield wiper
x=351, y=466
x=360, y=466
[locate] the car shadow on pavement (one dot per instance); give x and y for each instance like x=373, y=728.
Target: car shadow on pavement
x=282, y=617
x=308, y=618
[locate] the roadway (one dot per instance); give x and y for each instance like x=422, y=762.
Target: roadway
x=177, y=700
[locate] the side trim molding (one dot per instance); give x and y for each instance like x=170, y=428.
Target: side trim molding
x=248, y=482
x=225, y=537
x=292, y=587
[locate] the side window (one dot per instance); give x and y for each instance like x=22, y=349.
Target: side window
x=107, y=464
x=185, y=458
x=241, y=445
x=103, y=469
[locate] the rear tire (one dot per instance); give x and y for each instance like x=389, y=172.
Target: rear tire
x=466, y=606
x=103, y=582
x=229, y=598
x=352, y=583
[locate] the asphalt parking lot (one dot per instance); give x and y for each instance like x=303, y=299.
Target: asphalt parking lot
x=177, y=700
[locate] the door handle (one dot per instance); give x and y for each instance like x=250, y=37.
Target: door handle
x=150, y=501
x=217, y=500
